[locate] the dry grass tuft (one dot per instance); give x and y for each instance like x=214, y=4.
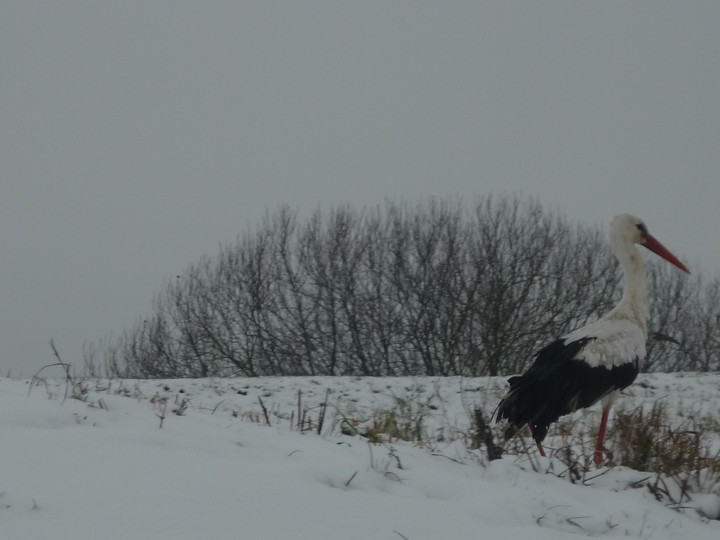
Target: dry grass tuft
x=645, y=440
x=678, y=455
x=482, y=436
x=405, y=421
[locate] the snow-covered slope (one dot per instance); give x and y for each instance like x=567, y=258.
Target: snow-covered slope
x=102, y=467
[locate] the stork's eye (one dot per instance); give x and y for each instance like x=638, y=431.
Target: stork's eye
x=643, y=230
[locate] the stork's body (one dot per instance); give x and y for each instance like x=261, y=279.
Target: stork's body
x=595, y=362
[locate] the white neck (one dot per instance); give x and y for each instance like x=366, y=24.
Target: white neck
x=634, y=299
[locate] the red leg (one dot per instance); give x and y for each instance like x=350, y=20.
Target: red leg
x=598, y=459
x=539, y=446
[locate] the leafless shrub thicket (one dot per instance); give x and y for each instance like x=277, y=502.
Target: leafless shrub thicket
x=435, y=289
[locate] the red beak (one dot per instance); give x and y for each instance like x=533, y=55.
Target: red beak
x=656, y=247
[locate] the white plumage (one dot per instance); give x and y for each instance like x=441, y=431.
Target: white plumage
x=617, y=341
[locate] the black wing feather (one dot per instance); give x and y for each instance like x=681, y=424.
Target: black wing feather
x=556, y=384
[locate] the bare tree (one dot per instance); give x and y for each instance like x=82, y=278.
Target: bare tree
x=434, y=289
x=683, y=322
x=537, y=278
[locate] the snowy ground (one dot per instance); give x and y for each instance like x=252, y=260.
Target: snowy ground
x=102, y=467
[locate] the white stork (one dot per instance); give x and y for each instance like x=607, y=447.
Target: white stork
x=595, y=362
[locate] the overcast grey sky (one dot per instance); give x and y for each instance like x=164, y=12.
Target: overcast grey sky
x=137, y=135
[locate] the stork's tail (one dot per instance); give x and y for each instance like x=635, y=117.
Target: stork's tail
x=522, y=406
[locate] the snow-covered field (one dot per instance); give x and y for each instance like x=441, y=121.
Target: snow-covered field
x=103, y=467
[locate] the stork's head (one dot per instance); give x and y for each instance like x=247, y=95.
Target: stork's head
x=626, y=230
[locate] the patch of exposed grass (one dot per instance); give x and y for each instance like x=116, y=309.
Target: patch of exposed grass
x=680, y=456
x=645, y=440
x=404, y=421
